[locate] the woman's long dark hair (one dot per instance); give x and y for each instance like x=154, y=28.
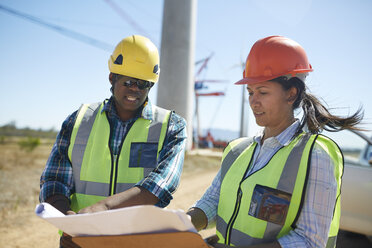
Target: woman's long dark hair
x=315, y=114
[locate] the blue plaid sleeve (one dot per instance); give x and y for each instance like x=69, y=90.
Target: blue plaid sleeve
x=56, y=178
x=209, y=201
x=164, y=180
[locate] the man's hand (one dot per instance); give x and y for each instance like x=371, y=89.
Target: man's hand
x=70, y=212
x=60, y=202
x=98, y=207
x=132, y=197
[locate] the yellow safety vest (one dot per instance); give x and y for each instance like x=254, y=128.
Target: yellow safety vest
x=245, y=219
x=97, y=172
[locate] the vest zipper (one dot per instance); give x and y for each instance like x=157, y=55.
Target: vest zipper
x=116, y=167
x=237, y=203
x=114, y=160
x=113, y=167
x=233, y=217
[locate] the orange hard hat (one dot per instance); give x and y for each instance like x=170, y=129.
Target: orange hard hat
x=272, y=57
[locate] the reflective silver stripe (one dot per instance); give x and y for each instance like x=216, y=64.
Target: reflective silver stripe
x=159, y=115
x=221, y=225
x=147, y=171
x=120, y=187
x=81, y=140
x=233, y=155
x=271, y=231
x=240, y=238
x=237, y=237
x=331, y=243
x=287, y=181
x=92, y=188
x=288, y=178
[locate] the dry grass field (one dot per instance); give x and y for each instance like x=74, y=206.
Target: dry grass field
x=19, y=190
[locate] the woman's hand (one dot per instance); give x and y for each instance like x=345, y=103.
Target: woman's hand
x=198, y=218
x=66, y=242
x=70, y=212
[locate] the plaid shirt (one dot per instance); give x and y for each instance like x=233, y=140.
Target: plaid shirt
x=57, y=176
x=317, y=212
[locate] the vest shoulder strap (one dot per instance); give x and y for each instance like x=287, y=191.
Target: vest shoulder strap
x=84, y=130
x=233, y=154
x=159, y=113
x=159, y=116
x=87, y=120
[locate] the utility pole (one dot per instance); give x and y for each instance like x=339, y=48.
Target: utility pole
x=198, y=131
x=176, y=83
x=244, y=115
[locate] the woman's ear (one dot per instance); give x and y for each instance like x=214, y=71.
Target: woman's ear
x=292, y=95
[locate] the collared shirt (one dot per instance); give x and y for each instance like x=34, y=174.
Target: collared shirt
x=57, y=176
x=317, y=212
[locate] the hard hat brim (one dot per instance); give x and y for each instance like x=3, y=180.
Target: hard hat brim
x=263, y=79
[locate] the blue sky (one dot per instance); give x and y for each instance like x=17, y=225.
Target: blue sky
x=45, y=75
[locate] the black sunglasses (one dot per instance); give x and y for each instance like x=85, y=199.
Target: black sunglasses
x=141, y=84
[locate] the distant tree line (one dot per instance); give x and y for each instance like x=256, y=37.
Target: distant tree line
x=11, y=129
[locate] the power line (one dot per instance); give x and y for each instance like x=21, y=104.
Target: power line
x=64, y=31
x=143, y=10
x=126, y=17
x=79, y=22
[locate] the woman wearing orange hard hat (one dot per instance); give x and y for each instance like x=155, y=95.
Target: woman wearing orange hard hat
x=280, y=188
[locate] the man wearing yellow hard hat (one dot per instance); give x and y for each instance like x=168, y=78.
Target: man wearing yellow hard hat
x=121, y=152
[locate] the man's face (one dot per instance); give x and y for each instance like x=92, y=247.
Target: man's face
x=128, y=98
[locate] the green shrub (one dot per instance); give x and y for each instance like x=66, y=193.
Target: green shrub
x=29, y=144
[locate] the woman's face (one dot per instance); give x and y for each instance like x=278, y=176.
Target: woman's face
x=271, y=104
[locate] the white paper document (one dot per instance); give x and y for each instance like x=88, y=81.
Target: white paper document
x=131, y=220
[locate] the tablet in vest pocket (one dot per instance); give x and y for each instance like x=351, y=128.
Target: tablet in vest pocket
x=143, y=155
x=269, y=204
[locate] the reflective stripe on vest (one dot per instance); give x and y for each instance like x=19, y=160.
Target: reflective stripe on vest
x=233, y=155
x=287, y=182
x=86, y=118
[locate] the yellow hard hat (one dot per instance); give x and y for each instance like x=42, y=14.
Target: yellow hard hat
x=136, y=56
